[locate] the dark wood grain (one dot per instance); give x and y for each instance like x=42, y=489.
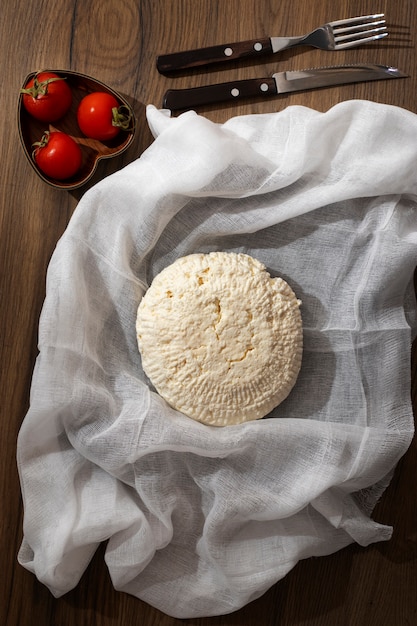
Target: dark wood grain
x=118, y=43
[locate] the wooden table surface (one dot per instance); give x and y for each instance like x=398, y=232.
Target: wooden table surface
x=118, y=43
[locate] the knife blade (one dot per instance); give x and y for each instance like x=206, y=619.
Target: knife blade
x=279, y=83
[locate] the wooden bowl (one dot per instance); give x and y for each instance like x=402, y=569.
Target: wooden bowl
x=31, y=130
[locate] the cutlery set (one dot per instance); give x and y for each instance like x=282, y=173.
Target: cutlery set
x=333, y=36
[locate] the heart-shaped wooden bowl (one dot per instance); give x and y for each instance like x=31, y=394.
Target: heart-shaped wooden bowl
x=31, y=130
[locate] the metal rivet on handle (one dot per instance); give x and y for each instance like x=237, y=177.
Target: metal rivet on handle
x=235, y=92
x=258, y=46
x=228, y=52
x=264, y=87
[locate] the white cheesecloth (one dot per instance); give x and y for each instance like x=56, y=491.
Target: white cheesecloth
x=201, y=520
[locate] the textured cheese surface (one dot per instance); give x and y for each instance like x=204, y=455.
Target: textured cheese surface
x=220, y=340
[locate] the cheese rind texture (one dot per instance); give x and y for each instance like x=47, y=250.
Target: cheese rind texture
x=220, y=340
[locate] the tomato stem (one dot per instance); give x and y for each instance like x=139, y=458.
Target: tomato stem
x=37, y=145
x=122, y=117
x=40, y=88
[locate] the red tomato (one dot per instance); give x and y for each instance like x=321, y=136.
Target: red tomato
x=100, y=116
x=47, y=97
x=57, y=155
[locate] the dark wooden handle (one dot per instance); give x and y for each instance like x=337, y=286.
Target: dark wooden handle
x=214, y=54
x=175, y=99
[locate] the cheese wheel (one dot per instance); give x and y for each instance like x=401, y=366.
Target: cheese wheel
x=220, y=340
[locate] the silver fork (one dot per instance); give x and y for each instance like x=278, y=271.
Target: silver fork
x=337, y=35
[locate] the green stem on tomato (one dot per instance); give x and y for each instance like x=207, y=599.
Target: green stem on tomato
x=122, y=119
x=40, y=88
x=40, y=144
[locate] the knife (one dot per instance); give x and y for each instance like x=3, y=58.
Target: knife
x=282, y=82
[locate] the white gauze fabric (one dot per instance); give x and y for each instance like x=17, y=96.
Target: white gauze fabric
x=201, y=520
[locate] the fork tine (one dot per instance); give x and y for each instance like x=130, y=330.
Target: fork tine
x=355, y=20
x=362, y=40
x=354, y=31
x=348, y=29
x=361, y=35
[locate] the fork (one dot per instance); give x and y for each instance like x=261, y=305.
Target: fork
x=337, y=35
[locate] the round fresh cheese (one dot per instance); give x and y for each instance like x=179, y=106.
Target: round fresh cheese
x=220, y=340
